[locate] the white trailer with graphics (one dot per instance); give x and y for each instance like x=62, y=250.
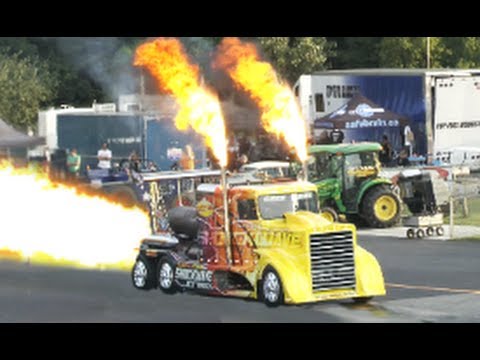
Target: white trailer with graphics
x=442, y=106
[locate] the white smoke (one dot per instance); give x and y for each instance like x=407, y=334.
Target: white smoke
x=105, y=60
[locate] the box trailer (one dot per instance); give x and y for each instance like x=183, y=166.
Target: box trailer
x=442, y=106
x=152, y=136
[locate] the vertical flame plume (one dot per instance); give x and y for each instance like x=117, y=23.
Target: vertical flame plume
x=199, y=107
x=280, y=112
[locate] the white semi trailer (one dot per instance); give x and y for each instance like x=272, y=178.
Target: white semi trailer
x=442, y=106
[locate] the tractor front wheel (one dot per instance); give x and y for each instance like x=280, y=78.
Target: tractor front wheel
x=329, y=214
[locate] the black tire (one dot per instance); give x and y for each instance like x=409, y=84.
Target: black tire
x=271, y=289
x=166, y=275
x=362, y=300
x=356, y=219
x=379, y=193
x=143, y=273
x=440, y=231
x=410, y=233
x=420, y=233
x=430, y=231
x=330, y=214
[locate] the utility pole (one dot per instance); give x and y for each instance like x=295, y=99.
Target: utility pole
x=142, y=82
x=428, y=53
x=142, y=89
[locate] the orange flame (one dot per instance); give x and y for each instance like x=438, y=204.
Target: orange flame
x=280, y=112
x=199, y=107
x=52, y=223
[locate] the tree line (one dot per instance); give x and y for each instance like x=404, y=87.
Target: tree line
x=41, y=72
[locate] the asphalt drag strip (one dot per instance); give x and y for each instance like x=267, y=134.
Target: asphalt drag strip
x=459, y=308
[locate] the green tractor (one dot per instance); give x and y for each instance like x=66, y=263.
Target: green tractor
x=347, y=177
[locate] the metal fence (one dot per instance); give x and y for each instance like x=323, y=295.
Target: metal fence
x=452, y=193
x=462, y=189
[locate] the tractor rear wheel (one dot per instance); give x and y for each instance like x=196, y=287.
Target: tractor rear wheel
x=381, y=207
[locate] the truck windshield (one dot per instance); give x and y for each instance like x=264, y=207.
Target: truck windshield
x=274, y=206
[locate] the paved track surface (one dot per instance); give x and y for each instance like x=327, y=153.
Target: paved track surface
x=427, y=281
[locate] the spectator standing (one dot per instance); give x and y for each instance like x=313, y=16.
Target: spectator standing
x=187, y=161
x=240, y=161
x=104, y=156
x=409, y=141
x=212, y=160
x=324, y=138
x=337, y=136
x=232, y=152
x=244, y=145
x=73, y=165
x=134, y=160
x=403, y=157
x=386, y=152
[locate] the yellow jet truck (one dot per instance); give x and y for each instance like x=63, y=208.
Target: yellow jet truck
x=270, y=244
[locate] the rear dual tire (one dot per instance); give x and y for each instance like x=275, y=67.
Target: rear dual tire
x=143, y=273
x=166, y=275
x=146, y=276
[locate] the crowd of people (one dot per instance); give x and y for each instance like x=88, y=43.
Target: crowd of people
x=388, y=156
x=405, y=157
x=248, y=148
x=245, y=148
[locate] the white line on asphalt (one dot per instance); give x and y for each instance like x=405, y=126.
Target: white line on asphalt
x=431, y=288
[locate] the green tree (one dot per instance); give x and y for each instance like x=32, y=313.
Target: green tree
x=355, y=52
x=411, y=52
x=294, y=56
x=14, y=45
x=461, y=52
x=75, y=86
x=25, y=86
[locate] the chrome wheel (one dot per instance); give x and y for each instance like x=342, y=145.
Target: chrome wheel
x=140, y=274
x=166, y=276
x=271, y=288
x=143, y=273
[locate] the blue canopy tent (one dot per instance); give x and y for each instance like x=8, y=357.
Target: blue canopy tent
x=360, y=119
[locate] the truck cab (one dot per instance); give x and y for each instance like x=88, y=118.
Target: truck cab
x=274, y=246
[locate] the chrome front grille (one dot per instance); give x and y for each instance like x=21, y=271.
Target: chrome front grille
x=332, y=262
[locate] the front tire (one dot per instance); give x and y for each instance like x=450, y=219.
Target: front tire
x=271, y=288
x=166, y=275
x=143, y=273
x=381, y=207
